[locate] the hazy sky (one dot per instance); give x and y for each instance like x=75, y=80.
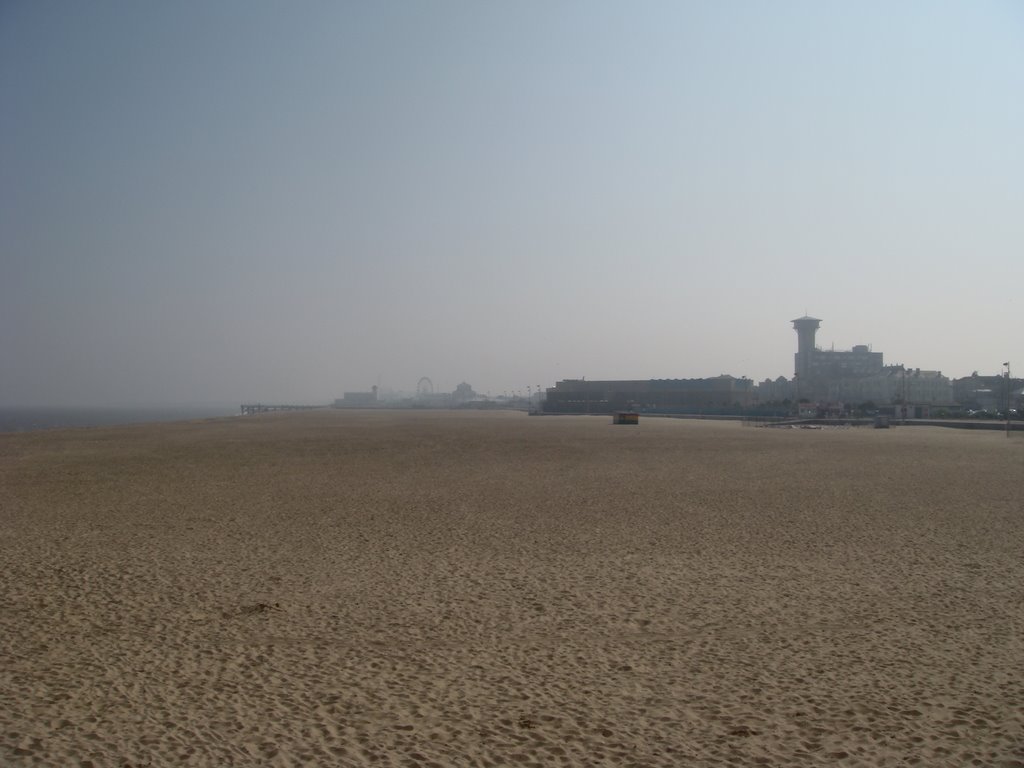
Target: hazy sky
x=231, y=201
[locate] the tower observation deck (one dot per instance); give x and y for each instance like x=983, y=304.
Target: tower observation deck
x=806, y=327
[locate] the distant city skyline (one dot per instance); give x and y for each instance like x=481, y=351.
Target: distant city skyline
x=245, y=201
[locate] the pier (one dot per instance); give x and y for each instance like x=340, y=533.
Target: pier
x=251, y=409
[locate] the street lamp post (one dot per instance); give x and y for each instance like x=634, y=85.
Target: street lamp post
x=1007, y=366
x=903, y=398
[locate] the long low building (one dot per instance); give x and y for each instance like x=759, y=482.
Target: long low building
x=721, y=393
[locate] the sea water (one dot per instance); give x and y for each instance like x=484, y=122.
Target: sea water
x=29, y=419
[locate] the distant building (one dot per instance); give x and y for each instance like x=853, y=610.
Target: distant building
x=357, y=399
x=987, y=393
x=778, y=390
x=721, y=393
x=826, y=381
x=463, y=394
x=859, y=375
x=818, y=371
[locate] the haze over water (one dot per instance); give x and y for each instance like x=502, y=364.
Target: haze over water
x=28, y=419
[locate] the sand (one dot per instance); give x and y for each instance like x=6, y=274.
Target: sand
x=491, y=589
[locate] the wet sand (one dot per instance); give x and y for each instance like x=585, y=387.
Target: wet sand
x=491, y=589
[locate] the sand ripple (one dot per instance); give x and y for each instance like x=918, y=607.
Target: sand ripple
x=424, y=589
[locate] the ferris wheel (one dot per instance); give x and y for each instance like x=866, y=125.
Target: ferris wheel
x=424, y=388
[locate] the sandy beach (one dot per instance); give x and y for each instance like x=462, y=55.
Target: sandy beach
x=492, y=589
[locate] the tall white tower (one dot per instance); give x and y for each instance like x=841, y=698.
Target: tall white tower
x=805, y=328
